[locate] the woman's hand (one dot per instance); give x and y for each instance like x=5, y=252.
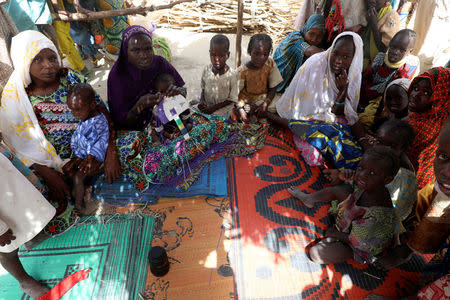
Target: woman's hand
x=342, y=81
x=6, y=238
x=311, y=50
x=58, y=188
x=112, y=163
x=174, y=90
x=145, y=102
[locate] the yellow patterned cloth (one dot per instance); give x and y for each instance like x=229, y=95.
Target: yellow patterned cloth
x=66, y=44
x=18, y=123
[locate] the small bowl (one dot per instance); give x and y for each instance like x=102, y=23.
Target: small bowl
x=159, y=263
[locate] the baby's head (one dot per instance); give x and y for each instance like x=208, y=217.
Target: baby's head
x=401, y=44
x=442, y=160
x=397, y=135
x=162, y=82
x=81, y=101
x=396, y=97
x=219, y=51
x=259, y=49
x=378, y=167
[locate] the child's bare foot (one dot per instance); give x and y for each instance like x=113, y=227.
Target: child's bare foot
x=39, y=238
x=398, y=256
x=303, y=197
x=33, y=288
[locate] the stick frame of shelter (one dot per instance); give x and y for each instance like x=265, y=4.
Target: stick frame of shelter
x=239, y=32
x=94, y=15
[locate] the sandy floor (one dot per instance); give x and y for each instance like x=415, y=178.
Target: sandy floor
x=190, y=53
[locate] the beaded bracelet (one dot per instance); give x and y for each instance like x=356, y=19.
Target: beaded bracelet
x=268, y=100
x=339, y=103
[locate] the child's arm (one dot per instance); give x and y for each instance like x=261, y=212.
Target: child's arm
x=371, y=15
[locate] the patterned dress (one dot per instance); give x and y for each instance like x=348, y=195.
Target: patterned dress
x=54, y=116
x=179, y=162
x=371, y=229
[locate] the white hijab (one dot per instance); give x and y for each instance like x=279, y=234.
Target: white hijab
x=313, y=90
x=18, y=123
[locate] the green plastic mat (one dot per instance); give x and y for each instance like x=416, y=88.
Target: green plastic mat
x=115, y=248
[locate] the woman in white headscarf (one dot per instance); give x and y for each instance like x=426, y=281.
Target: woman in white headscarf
x=320, y=104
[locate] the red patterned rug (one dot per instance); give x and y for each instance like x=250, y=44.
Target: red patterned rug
x=271, y=231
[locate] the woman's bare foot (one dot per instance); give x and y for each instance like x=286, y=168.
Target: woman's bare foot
x=39, y=238
x=303, y=197
x=33, y=288
x=396, y=257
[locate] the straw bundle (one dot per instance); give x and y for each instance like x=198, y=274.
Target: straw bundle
x=274, y=17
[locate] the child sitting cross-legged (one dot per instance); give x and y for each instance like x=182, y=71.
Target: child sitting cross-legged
x=89, y=142
x=219, y=81
x=366, y=220
x=258, y=79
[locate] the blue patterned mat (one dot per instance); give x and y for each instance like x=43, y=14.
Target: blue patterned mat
x=212, y=182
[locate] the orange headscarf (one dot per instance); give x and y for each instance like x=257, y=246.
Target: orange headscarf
x=427, y=125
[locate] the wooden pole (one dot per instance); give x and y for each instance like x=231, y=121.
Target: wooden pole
x=114, y=13
x=239, y=32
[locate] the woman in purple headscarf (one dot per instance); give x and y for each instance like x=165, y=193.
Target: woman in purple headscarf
x=131, y=98
x=130, y=83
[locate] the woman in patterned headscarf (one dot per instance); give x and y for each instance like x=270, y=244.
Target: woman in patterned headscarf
x=297, y=47
x=429, y=106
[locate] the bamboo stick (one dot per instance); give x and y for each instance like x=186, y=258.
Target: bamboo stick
x=239, y=32
x=114, y=13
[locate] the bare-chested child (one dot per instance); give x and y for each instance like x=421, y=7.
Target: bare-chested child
x=365, y=222
x=89, y=142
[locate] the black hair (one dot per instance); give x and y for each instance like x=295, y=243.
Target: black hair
x=386, y=154
x=256, y=39
x=164, y=77
x=400, y=130
x=346, y=38
x=220, y=39
x=84, y=89
x=412, y=36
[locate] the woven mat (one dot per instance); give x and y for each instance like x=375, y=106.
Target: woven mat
x=212, y=182
x=271, y=232
x=196, y=242
x=115, y=250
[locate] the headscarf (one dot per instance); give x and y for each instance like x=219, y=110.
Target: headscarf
x=313, y=90
x=289, y=54
x=404, y=83
x=126, y=83
x=18, y=123
x=427, y=125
